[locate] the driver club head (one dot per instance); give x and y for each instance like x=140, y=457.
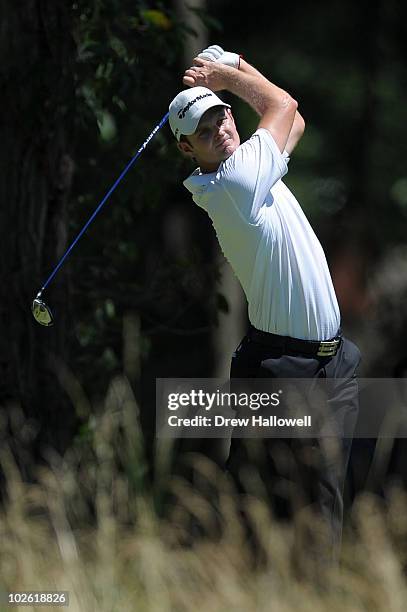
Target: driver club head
x=41, y=312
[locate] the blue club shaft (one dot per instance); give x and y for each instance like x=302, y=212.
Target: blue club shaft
x=101, y=204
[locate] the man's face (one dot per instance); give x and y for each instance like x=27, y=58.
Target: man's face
x=214, y=140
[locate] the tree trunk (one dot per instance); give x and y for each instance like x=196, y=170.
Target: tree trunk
x=38, y=103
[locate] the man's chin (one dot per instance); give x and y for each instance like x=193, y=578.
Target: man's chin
x=228, y=151
x=221, y=156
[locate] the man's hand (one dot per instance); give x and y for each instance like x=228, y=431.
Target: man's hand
x=274, y=105
x=215, y=53
x=206, y=73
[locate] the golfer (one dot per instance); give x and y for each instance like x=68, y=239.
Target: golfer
x=275, y=254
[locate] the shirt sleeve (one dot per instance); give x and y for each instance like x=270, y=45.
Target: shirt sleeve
x=248, y=175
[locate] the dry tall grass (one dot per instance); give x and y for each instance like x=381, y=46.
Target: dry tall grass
x=89, y=527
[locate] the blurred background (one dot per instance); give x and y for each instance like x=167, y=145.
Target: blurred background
x=147, y=292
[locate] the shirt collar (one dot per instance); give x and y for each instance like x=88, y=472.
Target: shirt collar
x=197, y=181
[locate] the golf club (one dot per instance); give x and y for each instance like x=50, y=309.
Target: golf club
x=41, y=312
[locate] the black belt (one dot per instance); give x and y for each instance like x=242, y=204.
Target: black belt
x=324, y=348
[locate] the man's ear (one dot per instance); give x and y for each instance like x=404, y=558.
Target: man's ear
x=185, y=148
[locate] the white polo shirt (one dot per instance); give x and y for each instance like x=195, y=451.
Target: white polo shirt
x=268, y=241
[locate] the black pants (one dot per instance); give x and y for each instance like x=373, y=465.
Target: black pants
x=300, y=473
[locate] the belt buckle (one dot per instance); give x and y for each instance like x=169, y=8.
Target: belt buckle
x=328, y=348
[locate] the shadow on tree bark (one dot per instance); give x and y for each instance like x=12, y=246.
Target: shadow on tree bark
x=37, y=168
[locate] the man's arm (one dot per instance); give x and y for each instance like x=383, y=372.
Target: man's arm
x=274, y=105
x=298, y=126
x=296, y=133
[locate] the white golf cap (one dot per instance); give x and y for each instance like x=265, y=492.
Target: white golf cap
x=187, y=108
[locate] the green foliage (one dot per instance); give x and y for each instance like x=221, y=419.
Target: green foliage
x=119, y=47
x=129, y=66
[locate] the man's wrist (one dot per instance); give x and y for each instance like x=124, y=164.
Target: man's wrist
x=228, y=76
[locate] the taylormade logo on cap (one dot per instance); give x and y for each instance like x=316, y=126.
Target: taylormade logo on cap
x=181, y=113
x=187, y=108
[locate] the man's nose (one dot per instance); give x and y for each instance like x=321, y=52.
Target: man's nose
x=220, y=131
